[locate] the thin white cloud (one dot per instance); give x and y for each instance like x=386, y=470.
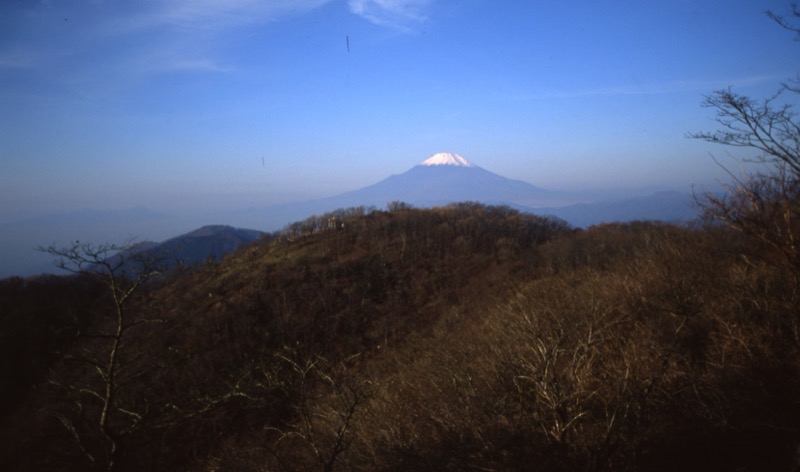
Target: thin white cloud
x=97, y=48
x=397, y=14
x=19, y=59
x=212, y=14
x=196, y=65
x=188, y=28
x=678, y=86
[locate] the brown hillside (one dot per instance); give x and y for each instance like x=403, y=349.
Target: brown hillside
x=459, y=338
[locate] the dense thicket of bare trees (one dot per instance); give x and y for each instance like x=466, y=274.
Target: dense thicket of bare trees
x=452, y=338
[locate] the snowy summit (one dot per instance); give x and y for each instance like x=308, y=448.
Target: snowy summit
x=446, y=159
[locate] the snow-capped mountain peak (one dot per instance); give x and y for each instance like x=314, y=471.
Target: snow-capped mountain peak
x=446, y=159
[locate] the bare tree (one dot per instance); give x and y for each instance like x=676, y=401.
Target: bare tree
x=328, y=401
x=123, y=271
x=787, y=23
x=764, y=203
x=769, y=126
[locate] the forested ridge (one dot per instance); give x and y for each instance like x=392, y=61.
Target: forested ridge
x=464, y=337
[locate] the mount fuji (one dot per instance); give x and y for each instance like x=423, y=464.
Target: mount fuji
x=439, y=180
x=446, y=178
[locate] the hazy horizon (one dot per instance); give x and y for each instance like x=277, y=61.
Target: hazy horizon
x=224, y=203
x=20, y=238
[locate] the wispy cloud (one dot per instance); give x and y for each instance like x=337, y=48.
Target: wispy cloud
x=397, y=14
x=216, y=14
x=657, y=88
x=200, y=65
x=153, y=36
x=90, y=51
x=19, y=58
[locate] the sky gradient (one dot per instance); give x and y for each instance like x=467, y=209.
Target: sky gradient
x=209, y=104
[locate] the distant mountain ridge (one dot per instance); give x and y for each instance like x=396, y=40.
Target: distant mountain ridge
x=210, y=242
x=448, y=178
x=441, y=179
x=673, y=207
x=20, y=238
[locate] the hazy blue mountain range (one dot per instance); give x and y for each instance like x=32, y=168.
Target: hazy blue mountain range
x=441, y=179
x=663, y=206
x=19, y=239
x=209, y=243
x=213, y=241
x=446, y=178
x=430, y=185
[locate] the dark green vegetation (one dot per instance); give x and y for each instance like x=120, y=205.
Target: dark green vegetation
x=458, y=338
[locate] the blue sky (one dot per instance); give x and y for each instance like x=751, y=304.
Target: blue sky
x=218, y=104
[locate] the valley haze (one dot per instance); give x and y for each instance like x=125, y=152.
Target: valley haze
x=441, y=179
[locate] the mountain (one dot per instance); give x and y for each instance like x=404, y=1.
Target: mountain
x=209, y=242
x=446, y=159
x=20, y=238
x=662, y=206
x=441, y=179
x=448, y=178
